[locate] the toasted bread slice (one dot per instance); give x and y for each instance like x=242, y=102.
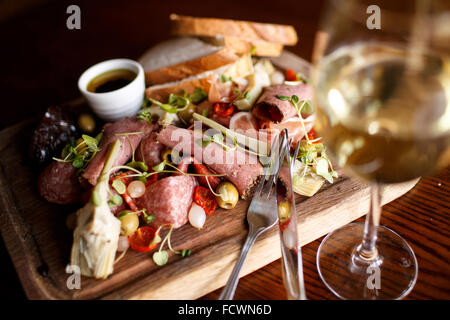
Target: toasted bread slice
x=245, y=30
x=180, y=58
x=238, y=69
x=254, y=47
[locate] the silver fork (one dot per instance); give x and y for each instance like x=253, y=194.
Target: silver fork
x=262, y=215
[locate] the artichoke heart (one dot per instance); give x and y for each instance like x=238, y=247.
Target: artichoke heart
x=97, y=233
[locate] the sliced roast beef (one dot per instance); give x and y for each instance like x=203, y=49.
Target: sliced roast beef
x=269, y=107
x=169, y=200
x=241, y=168
x=58, y=183
x=111, y=132
x=150, y=150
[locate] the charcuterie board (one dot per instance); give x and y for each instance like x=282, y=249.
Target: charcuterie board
x=39, y=242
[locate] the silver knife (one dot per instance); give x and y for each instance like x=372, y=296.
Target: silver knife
x=292, y=267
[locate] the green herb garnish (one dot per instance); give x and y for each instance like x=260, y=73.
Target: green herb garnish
x=139, y=165
x=115, y=200
x=185, y=253
x=160, y=167
x=145, y=115
x=119, y=186
x=161, y=257
x=223, y=78
x=80, y=155
x=198, y=95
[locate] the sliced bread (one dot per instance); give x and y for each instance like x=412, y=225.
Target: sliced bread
x=245, y=30
x=254, y=47
x=183, y=57
x=239, y=69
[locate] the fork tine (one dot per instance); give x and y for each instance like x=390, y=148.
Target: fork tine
x=259, y=191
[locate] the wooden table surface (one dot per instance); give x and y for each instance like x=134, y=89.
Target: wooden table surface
x=42, y=61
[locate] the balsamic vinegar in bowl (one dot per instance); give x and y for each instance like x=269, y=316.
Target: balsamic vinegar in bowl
x=111, y=80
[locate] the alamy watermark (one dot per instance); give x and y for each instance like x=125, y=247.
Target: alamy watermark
x=374, y=20
x=74, y=280
x=74, y=20
x=373, y=282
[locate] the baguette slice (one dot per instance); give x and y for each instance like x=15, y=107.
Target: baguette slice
x=245, y=30
x=239, y=69
x=255, y=47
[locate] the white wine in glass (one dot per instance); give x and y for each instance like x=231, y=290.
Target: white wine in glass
x=383, y=100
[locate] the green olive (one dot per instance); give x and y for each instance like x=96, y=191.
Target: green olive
x=129, y=222
x=284, y=211
x=229, y=196
x=186, y=115
x=167, y=155
x=86, y=122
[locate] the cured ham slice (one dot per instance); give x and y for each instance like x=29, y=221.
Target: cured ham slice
x=240, y=167
x=293, y=125
x=110, y=134
x=245, y=123
x=269, y=107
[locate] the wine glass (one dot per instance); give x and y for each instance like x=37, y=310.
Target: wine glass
x=382, y=96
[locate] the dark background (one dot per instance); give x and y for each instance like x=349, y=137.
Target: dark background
x=42, y=59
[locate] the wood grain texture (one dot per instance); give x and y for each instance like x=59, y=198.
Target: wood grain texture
x=421, y=216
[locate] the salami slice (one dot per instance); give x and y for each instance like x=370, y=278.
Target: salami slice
x=169, y=200
x=110, y=134
x=269, y=107
x=241, y=168
x=58, y=183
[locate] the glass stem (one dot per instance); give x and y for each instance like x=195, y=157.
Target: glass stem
x=367, y=250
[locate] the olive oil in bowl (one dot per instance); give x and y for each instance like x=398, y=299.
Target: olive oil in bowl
x=111, y=80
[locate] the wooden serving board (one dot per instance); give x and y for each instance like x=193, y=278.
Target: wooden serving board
x=39, y=242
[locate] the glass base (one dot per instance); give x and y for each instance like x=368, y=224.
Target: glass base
x=391, y=274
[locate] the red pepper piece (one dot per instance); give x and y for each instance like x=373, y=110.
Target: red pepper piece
x=284, y=224
x=142, y=239
x=203, y=180
x=199, y=168
x=205, y=199
x=312, y=136
x=224, y=109
x=291, y=75
x=130, y=202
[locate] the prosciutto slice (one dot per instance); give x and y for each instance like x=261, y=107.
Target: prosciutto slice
x=294, y=126
x=138, y=128
x=269, y=107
